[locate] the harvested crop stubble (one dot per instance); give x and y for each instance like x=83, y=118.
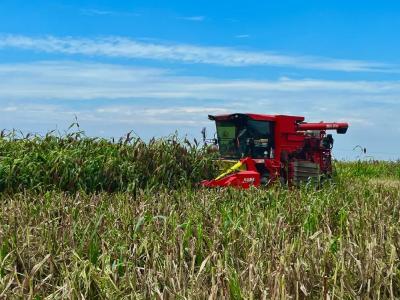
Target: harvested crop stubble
x=341, y=241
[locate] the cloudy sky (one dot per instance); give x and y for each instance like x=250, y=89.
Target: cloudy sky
x=159, y=66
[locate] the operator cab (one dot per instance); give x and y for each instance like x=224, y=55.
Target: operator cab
x=239, y=136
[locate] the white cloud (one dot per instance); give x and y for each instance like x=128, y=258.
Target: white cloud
x=242, y=36
x=80, y=81
x=9, y=109
x=92, y=12
x=129, y=48
x=99, y=12
x=184, y=99
x=193, y=18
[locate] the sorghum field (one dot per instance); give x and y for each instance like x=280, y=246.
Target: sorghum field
x=86, y=218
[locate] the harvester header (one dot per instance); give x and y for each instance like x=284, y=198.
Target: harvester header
x=273, y=148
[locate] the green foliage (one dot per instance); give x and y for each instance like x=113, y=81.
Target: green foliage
x=369, y=169
x=74, y=162
x=234, y=286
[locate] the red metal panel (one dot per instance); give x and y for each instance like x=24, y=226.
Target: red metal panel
x=243, y=179
x=322, y=126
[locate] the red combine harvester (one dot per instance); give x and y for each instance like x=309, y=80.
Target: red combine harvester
x=272, y=148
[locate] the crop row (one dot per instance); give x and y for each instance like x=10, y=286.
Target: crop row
x=74, y=162
x=339, y=242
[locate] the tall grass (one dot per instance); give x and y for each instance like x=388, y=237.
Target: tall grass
x=74, y=162
x=341, y=241
x=370, y=169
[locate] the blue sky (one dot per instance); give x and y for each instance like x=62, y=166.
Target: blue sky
x=159, y=66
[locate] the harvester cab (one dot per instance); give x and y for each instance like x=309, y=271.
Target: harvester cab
x=270, y=148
